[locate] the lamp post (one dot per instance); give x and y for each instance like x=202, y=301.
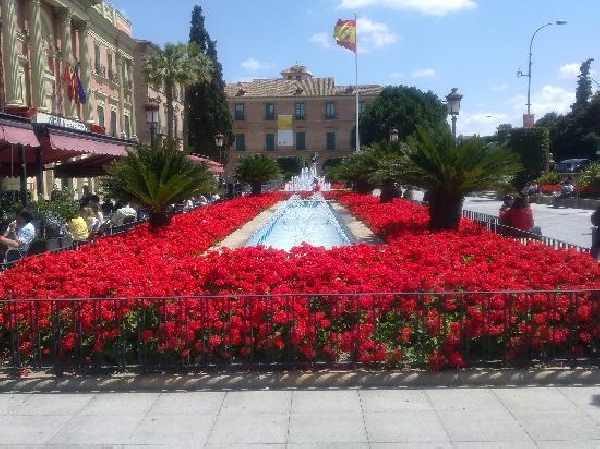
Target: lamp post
x=152, y=109
x=393, y=135
x=528, y=75
x=453, y=105
x=219, y=143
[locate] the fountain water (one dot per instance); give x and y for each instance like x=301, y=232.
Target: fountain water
x=298, y=221
x=307, y=180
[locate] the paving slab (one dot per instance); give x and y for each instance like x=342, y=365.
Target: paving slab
x=464, y=399
x=312, y=401
x=98, y=429
x=386, y=401
x=184, y=403
x=408, y=426
x=184, y=430
x=557, y=425
x=321, y=427
x=542, y=398
x=35, y=430
x=248, y=402
x=476, y=425
x=265, y=428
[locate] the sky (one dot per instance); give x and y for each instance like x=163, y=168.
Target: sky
x=475, y=45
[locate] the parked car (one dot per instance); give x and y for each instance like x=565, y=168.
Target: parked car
x=571, y=165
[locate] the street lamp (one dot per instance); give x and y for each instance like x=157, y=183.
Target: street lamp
x=453, y=105
x=528, y=75
x=219, y=142
x=152, y=108
x=393, y=135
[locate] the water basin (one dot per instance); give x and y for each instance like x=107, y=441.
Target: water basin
x=298, y=221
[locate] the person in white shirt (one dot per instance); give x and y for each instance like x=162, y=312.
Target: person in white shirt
x=20, y=233
x=123, y=210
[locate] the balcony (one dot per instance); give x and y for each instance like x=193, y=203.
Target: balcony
x=100, y=70
x=113, y=76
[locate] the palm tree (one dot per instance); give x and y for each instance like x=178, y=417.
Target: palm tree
x=156, y=177
x=449, y=170
x=256, y=170
x=181, y=64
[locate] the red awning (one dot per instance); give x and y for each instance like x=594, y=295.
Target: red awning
x=83, y=145
x=17, y=135
x=85, y=168
x=213, y=167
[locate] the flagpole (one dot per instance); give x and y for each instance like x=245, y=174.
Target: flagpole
x=356, y=80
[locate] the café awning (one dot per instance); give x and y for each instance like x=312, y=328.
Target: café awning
x=213, y=167
x=85, y=168
x=19, y=135
x=84, y=144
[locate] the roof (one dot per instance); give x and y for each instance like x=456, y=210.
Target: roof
x=278, y=87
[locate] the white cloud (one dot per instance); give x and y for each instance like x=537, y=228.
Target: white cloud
x=428, y=7
x=481, y=123
x=324, y=40
x=572, y=70
x=423, y=73
x=549, y=99
x=500, y=87
x=253, y=65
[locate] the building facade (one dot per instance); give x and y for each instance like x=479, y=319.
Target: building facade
x=144, y=93
x=295, y=115
x=42, y=40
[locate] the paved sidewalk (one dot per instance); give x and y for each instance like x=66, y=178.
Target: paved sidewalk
x=547, y=417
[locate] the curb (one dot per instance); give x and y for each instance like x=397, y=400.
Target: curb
x=294, y=380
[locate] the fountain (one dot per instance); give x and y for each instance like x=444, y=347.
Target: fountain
x=298, y=221
x=307, y=180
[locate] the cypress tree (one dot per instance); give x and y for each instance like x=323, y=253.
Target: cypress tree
x=207, y=109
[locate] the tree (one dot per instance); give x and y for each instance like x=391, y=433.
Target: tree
x=207, y=108
x=290, y=166
x=449, y=171
x=532, y=145
x=256, y=170
x=402, y=108
x=181, y=64
x=584, y=85
x=156, y=177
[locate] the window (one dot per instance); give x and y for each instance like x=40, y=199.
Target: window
x=300, y=140
x=97, y=55
x=164, y=131
x=270, y=111
x=240, y=142
x=110, y=63
x=270, y=142
x=113, y=123
x=175, y=127
x=127, y=127
x=100, y=110
x=329, y=110
x=299, y=111
x=239, y=111
x=362, y=105
x=330, y=140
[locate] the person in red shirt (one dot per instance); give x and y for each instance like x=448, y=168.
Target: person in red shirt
x=518, y=216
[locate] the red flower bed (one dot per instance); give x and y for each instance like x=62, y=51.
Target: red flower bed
x=549, y=188
x=427, y=330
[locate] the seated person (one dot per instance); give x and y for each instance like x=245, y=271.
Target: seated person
x=90, y=219
x=188, y=205
x=518, y=215
x=19, y=233
x=122, y=211
x=202, y=200
x=78, y=228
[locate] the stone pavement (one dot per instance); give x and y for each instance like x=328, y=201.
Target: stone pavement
x=520, y=417
x=569, y=225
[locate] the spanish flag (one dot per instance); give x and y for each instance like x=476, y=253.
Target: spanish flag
x=344, y=34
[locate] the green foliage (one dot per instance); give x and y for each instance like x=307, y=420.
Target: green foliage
x=54, y=213
x=450, y=169
x=532, y=145
x=256, y=169
x=181, y=64
x=402, y=108
x=155, y=178
x=590, y=176
x=584, y=84
x=290, y=166
x=548, y=178
x=207, y=108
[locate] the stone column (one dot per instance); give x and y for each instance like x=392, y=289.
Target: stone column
x=133, y=99
x=67, y=57
x=9, y=52
x=85, y=71
x=36, y=55
x=121, y=80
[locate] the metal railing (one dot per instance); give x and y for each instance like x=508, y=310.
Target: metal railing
x=379, y=330
x=493, y=224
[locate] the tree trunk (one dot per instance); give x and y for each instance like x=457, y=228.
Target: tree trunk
x=445, y=211
x=256, y=188
x=160, y=219
x=169, y=99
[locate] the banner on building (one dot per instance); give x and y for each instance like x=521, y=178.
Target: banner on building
x=285, y=132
